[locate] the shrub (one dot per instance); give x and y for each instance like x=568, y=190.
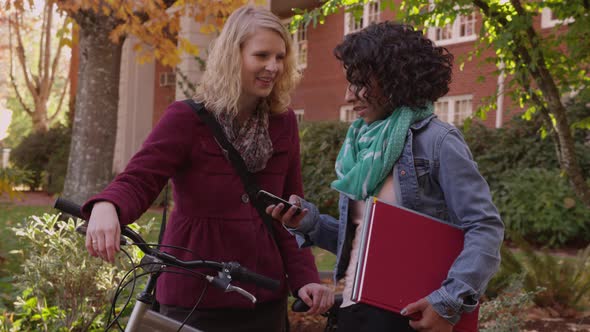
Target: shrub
x=504, y=313
x=540, y=206
x=10, y=177
x=518, y=145
x=45, y=154
x=62, y=287
x=320, y=144
x=559, y=283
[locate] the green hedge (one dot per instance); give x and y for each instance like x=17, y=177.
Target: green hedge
x=540, y=206
x=535, y=199
x=45, y=155
x=320, y=144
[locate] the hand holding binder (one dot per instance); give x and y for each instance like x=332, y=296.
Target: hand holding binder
x=404, y=256
x=422, y=314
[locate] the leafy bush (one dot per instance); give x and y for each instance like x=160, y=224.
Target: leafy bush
x=526, y=143
x=46, y=156
x=62, y=287
x=540, y=206
x=10, y=177
x=559, y=283
x=518, y=145
x=504, y=313
x=320, y=144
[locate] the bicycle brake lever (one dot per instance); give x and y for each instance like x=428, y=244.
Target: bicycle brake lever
x=224, y=283
x=232, y=288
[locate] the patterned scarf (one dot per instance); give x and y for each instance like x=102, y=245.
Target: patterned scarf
x=251, y=139
x=369, y=151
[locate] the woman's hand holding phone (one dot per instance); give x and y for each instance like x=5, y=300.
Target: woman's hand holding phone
x=290, y=217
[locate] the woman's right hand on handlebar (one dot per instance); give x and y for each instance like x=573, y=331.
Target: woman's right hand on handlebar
x=104, y=232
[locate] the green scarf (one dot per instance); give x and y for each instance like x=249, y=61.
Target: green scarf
x=369, y=151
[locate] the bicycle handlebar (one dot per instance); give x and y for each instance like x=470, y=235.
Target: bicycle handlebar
x=300, y=306
x=234, y=269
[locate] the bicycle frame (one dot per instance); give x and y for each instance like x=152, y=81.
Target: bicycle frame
x=144, y=319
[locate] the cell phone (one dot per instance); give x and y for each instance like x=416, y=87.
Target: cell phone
x=269, y=199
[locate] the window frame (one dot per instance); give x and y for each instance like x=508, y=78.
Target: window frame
x=297, y=44
x=299, y=114
x=365, y=22
x=455, y=31
x=548, y=22
x=452, y=101
x=346, y=113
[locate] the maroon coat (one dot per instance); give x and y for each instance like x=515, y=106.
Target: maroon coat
x=210, y=215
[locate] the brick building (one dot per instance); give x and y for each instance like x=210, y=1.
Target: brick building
x=320, y=96
x=146, y=89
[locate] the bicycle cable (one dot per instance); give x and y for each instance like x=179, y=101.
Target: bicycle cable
x=122, y=285
x=112, y=311
x=194, y=307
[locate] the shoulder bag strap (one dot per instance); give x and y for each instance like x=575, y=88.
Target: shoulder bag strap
x=236, y=161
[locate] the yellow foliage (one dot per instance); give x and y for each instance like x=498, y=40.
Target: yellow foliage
x=6, y=187
x=207, y=28
x=188, y=47
x=152, y=22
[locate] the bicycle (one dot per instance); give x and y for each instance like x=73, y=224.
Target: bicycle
x=154, y=263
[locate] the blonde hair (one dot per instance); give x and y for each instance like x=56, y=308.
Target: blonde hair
x=221, y=85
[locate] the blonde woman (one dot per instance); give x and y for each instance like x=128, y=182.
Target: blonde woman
x=250, y=74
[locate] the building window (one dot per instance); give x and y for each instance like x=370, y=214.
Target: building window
x=371, y=14
x=347, y=114
x=454, y=109
x=461, y=30
x=167, y=78
x=300, y=46
x=299, y=114
x=549, y=19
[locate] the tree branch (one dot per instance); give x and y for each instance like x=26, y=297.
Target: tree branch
x=46, y=84
x=11, y=70
x=20, y=52
x=56, y=58
x=18, y=96
x=61, y=99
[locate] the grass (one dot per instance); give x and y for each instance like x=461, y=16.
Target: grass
x=325, y=260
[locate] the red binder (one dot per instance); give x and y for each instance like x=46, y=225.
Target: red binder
x=404, y=256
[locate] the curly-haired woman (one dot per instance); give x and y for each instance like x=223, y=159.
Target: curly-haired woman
x=250, y=74
x=400, y=152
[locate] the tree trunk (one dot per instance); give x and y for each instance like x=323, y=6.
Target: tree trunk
x=39, y=117
x=90, y=162
x=568, y=159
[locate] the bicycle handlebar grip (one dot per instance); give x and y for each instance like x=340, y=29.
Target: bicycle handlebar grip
x=259, y=280
x=299, y=306
x=68, y=207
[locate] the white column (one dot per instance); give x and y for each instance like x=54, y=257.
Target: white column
x=189, y=66
x=5, y=155
x=136, y=105
x=500, y=98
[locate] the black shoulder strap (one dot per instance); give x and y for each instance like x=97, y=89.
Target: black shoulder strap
x=236, y=161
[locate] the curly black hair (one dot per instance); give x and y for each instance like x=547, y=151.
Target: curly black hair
x=407, y=67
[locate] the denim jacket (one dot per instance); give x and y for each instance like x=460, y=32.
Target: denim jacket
x=435, y=175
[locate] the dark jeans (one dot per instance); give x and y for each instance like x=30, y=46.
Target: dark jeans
x=266, y=317
x=366, y=318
